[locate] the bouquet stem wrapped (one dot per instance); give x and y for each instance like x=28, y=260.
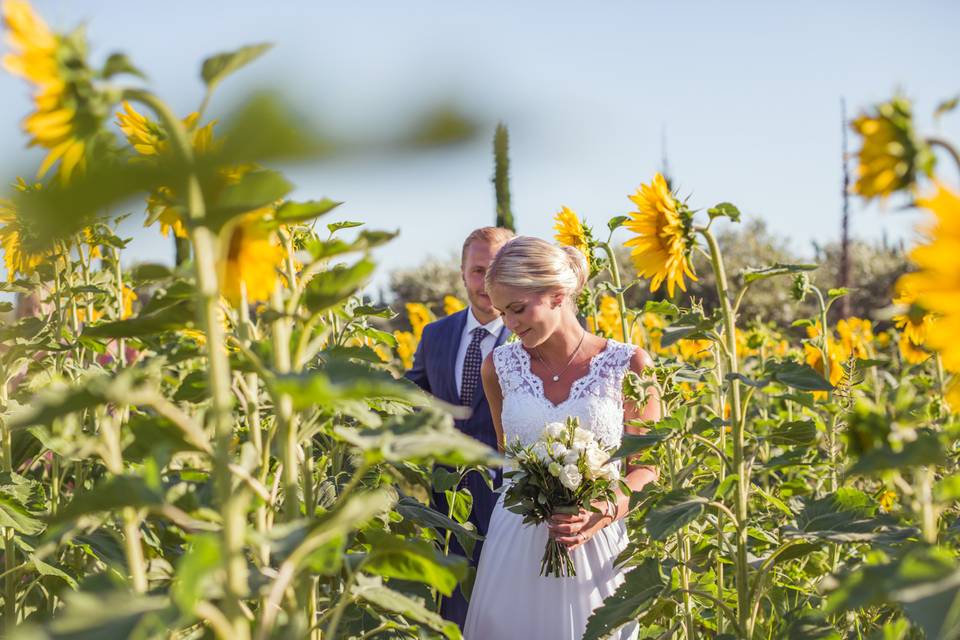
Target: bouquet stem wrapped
x=557, y=560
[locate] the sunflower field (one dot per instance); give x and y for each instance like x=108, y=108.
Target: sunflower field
x=227, y=448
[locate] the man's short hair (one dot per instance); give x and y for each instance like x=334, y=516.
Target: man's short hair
x=490, y=235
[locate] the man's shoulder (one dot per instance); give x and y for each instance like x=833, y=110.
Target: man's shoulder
x=444, y=324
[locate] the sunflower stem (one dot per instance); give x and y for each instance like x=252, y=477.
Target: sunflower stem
x=934, y=141
x=204, y=240
x=832, y=423
x=10, y=577
x=118, y=275
x=739, y=441
x=724, y=462
x=615, y=276
x=938, y=362
x=824, y=342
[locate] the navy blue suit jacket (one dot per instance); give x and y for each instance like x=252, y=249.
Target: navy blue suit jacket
x=434, y=371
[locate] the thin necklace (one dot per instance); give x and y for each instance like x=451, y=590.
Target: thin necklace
x=556, y=376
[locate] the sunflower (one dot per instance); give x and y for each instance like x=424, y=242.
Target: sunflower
x=149, y=139
x=572, y=233
x=744, y=340
x=250, y=258
x=916, y=321
x=419, y=316
x=953, y=394
x=814, y=358
x=452, y=304
x=406, y=347
x=781, y=348
x=913, y=325
x=649, y=331
x=128, y=295
x=691, y=350
x=911, y=352
x=836, y=350
x=891, y=153
x=145, y=136
x=887, y=499
x=883, y=340
x=381, y=350
x=15, y=236
x=65, y=118
x=856, y=334
x=608, y=318
x=95, y=315
x=163, y=208
x=936, y=283
x=661, y=247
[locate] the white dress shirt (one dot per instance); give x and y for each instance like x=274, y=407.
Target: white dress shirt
x=486, y=345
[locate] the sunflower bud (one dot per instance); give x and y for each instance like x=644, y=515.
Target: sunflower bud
x=892, y=153
x=801, y=285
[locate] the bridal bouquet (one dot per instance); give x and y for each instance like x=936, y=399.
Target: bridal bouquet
x=565, y=470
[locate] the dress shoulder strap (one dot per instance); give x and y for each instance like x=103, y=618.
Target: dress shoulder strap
x=606, y=375
x=508, y=363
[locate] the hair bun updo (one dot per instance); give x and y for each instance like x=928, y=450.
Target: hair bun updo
x=536, y=265
x=579, y=266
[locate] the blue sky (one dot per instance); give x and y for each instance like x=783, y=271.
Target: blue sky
x=747, y=95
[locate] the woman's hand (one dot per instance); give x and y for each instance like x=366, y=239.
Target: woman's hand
x=572, y=530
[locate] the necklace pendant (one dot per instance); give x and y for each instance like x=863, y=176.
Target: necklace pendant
x=556, y=378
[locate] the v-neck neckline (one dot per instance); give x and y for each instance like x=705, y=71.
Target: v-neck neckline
x=573, y=384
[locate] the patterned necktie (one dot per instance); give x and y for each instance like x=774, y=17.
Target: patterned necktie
x=471, y=367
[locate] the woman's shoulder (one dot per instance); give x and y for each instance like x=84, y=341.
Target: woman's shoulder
x=510, y=348
x=500, y=354
x=624, y=354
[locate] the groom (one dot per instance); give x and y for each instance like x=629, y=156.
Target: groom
x=447, y=364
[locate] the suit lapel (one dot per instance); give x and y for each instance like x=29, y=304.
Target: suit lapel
x=453, y=345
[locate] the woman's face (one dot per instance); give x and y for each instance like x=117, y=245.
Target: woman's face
x=533, y=317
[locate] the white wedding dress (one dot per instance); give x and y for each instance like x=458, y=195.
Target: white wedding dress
x=510, y=599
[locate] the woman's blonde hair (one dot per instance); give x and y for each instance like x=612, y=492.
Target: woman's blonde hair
x=536, y=265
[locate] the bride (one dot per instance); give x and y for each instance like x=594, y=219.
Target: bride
x=556, y=369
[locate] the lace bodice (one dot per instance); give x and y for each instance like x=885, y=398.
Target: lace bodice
x=596, y=398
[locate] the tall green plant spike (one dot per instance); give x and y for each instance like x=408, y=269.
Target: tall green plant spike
x=501, y=176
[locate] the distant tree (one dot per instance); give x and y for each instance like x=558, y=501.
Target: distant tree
x=501, y=177
x=874, y=269
x=428, y=283
x=750, y=245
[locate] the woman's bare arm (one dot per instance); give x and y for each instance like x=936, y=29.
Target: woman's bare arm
x=574, y=530
x=491, y=389
x=639, y=475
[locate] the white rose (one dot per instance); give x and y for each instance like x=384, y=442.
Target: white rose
x=555, y=430
x=540, y=451
x=555, y=468
x=557, y=450
x=596, y=458
x=570, y=477
x=583, y=437
x=611, y=472
x=572, y=456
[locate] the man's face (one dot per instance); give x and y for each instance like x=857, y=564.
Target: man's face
x=477, y=259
